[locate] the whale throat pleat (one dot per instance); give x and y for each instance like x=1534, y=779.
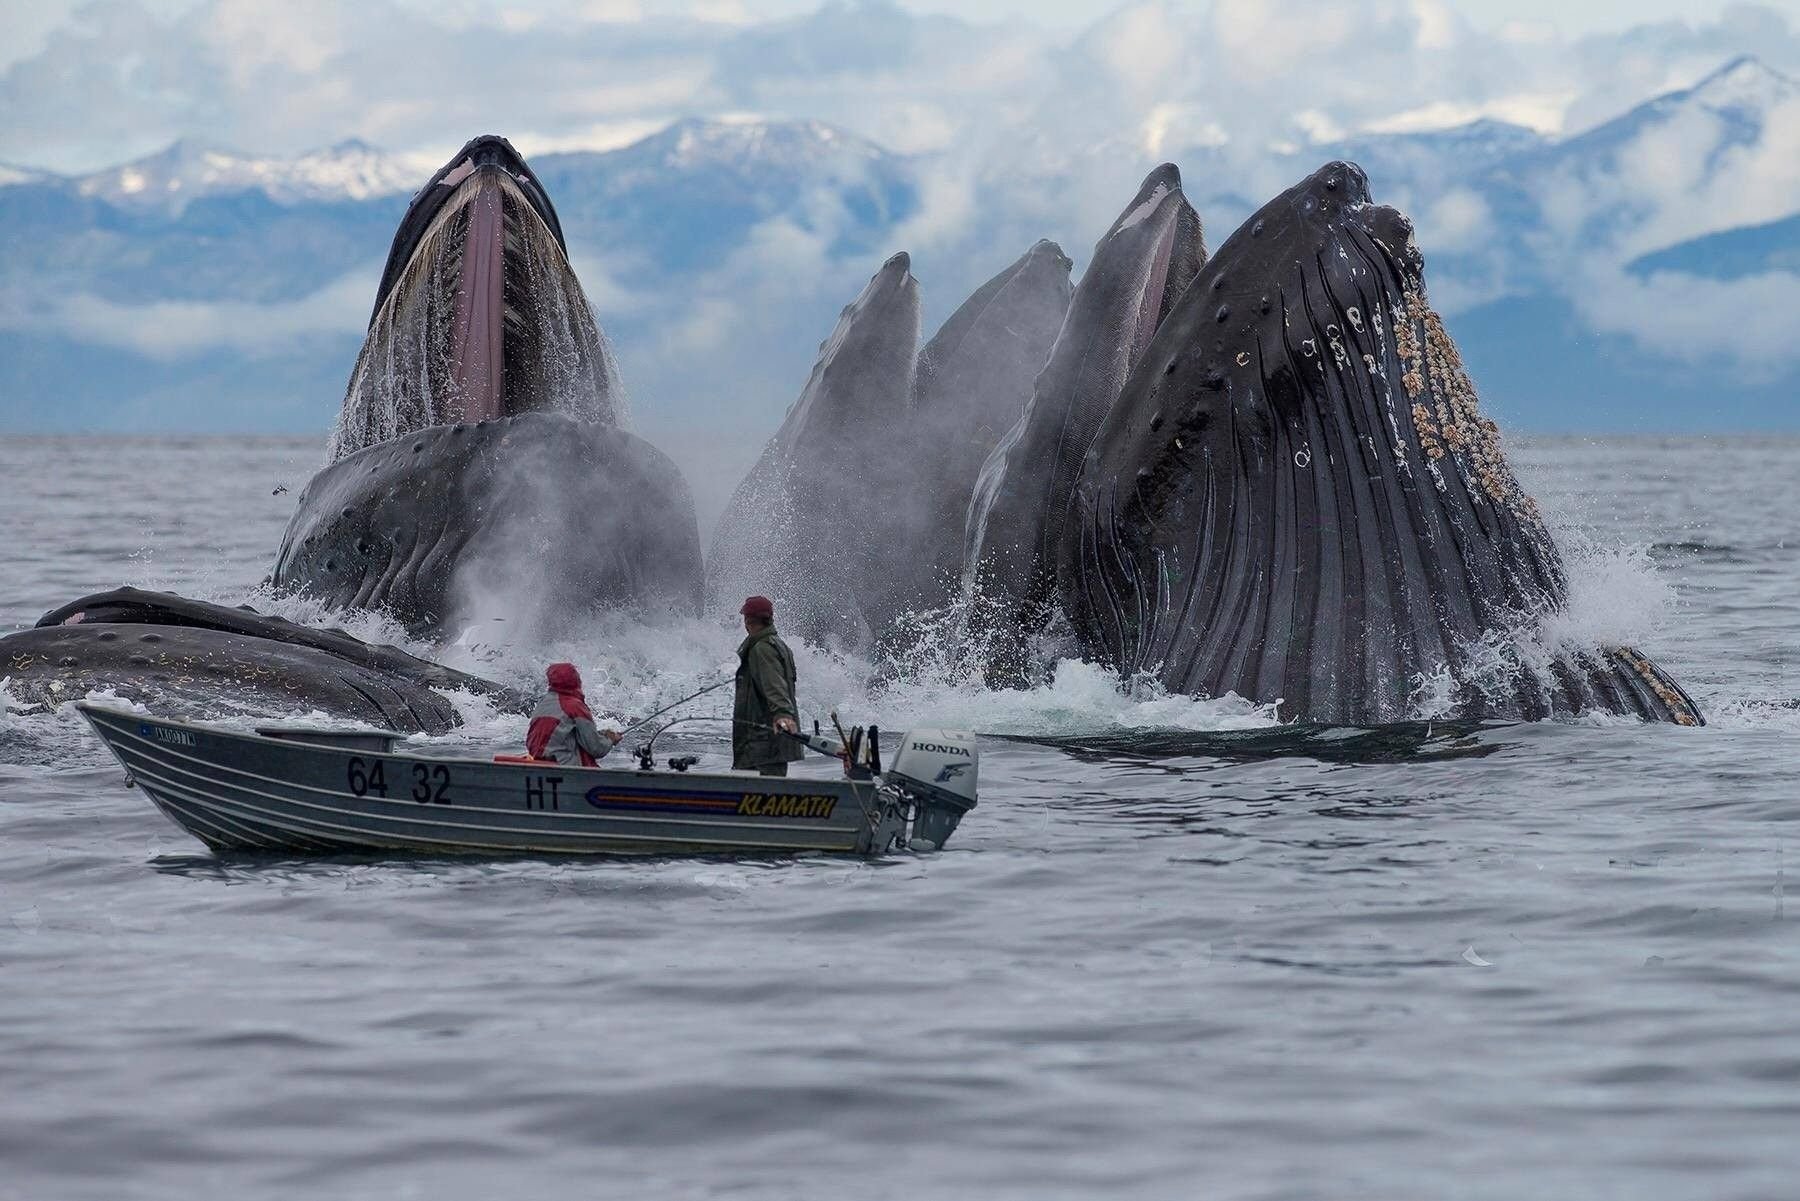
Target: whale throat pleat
x=1297, y=500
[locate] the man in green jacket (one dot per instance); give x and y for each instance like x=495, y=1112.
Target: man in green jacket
x=765, y=696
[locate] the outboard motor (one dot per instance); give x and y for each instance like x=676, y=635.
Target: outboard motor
x=935, y=770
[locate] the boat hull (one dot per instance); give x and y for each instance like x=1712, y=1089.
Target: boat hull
x=239, y=791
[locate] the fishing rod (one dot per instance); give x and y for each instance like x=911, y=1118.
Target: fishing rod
x=648, y=750
x=641, y=722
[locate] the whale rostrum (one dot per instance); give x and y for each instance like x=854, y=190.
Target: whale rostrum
x=853, y=515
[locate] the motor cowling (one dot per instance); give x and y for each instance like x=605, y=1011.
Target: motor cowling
x=937, y=770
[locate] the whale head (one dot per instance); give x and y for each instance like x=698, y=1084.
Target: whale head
x=479, y=471
x=478, y=314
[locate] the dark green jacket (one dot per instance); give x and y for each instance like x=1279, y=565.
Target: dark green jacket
x=765, y=691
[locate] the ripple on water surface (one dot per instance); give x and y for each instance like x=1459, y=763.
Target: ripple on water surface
x=1174, y=952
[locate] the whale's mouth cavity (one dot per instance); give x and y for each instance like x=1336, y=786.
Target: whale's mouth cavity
x=479, y=315
x=495, y=274
x=478, y=332
x=485, y=263
x=1156, y=287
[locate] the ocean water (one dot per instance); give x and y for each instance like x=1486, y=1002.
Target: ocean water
x=1173, y=953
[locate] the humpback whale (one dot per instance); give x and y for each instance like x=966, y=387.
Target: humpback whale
x=1296, y=497
x=479, y=441
x=1264, y=473
x=479, y=468
x=1017, y=513
x=800, y=527
x=876, y=460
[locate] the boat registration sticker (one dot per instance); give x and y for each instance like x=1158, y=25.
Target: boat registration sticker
x=165, y=734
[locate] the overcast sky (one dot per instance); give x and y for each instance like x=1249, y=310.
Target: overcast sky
x=29, y=21
x=89, y=84
x=1570, y=16
x=1038, y=123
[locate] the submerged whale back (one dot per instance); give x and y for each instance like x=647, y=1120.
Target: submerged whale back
x=192, y=657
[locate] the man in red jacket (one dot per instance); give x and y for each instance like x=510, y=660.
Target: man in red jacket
x=562, y=727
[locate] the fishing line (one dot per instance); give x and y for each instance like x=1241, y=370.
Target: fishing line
x=674, y=704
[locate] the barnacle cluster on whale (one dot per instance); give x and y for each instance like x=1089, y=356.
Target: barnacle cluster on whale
x=1263, y=472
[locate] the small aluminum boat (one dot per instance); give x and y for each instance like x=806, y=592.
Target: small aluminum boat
x=333, y=792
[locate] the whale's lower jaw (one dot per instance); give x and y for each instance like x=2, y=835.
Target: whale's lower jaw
x=540, y=520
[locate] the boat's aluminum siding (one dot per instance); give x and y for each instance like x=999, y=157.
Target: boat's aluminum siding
x=241, y=791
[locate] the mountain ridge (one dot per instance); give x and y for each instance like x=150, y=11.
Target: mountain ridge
x=717, y=252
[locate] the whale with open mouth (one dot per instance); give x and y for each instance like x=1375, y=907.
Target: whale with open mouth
x=875, y=463
x=1264, y=474
x=480, y=472
x=1296, y=498
x=480, y=441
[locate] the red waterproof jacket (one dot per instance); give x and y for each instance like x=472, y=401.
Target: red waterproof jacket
x=562, y=727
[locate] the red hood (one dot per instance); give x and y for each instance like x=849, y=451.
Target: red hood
x=565, y=682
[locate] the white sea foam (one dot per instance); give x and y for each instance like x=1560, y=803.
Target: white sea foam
x=1616, y=597
x=1743, y=713
x=632, y=668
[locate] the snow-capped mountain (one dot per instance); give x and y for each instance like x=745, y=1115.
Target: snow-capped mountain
x=1733, y=254
x=1741, y=95
x=1717, y=156
x=189, y=169
x=772, y=145
x=718, y=253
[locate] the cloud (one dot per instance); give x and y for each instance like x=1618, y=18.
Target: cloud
x=1543, y=112
x=1019, y=133
x=168, y=330
x=1685, y=318
x=1460, y=219
x=271, y=76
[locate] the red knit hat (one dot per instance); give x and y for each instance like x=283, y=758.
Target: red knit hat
x=759, y=607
